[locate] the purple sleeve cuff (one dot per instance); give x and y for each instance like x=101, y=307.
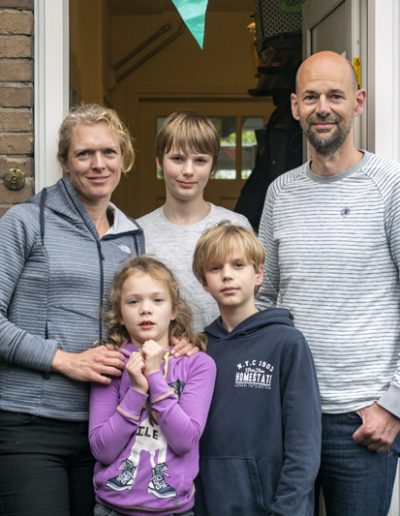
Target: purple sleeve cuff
x=158, y=387
x=132, y=404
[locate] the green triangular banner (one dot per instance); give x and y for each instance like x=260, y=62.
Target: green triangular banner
x=193, y=13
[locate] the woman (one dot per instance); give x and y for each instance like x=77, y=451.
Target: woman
x=58, y=255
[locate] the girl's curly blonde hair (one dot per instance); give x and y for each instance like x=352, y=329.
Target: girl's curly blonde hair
x=181, y=326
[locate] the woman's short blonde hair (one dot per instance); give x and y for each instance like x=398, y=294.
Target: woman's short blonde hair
x=93, y=114
x=219, y=242
x=188, y=132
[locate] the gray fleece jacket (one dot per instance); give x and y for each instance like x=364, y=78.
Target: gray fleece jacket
x=54, y=272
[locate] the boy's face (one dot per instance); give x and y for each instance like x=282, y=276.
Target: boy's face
x=232, y=281
x=185, y=176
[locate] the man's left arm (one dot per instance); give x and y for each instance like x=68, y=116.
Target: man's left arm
x=381, y=420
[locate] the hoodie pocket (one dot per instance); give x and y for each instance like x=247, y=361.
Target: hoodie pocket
x=231, y=486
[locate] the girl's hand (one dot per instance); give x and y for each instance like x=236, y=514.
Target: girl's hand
x=135, y=368
x=153, y=354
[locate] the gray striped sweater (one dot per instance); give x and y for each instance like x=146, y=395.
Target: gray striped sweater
x=51, y=288
x=333, y=251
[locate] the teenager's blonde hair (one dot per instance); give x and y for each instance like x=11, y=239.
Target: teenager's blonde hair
x=223, y=240
x=188, y=132
x=93, y=114
x=181, y=326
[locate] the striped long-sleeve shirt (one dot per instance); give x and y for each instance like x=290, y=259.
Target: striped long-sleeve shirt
x=333, y=252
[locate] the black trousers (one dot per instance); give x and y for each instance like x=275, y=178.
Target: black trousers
x=46, y=468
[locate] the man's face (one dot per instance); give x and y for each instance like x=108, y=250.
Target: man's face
x=325, y=102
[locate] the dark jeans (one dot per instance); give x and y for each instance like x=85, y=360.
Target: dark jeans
x=46, y=468
x=102, y=510
x=354, y=481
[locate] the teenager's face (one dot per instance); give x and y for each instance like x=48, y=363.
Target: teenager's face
x=94, y=162
x=185, y=176
x=146, y=309
x=232, y=282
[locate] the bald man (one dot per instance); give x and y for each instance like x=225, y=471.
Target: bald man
x=331, y=230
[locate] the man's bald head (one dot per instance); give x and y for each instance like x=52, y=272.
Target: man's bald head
x=329, y=60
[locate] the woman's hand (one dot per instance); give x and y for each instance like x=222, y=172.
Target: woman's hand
x=92, y=365
x=153, y=355
x=135, y=368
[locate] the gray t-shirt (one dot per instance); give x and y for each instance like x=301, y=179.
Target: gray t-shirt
x=174, y=245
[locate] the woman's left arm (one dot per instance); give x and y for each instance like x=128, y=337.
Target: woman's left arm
x=182, y=419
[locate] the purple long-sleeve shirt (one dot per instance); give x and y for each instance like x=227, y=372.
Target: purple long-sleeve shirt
x=146, y=466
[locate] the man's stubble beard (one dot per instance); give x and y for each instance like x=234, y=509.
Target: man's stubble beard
x=327, y=146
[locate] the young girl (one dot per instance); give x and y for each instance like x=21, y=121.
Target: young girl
x=187, y=148
x=144, y=428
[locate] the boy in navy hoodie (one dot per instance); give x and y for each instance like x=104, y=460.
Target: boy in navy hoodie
x=260, y=451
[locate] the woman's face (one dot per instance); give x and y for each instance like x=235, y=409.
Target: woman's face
x=94, y=162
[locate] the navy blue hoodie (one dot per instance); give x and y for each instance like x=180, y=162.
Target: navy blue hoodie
x=260, y=451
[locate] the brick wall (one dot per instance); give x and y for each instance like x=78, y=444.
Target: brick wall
x=16, y=97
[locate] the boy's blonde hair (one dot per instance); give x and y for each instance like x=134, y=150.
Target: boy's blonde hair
x=188, y=132
x=223, y=240
x=181, y=326
x=93, y=114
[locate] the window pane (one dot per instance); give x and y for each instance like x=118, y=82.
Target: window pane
x=160, y=121
x=226, y=167
x=249, y=144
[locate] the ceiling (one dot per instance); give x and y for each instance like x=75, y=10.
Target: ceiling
x=119, y=7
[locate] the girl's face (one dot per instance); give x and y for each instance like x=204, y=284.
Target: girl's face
x=185, y=176
x=146, y=309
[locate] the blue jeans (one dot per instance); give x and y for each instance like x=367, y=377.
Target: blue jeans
x=354, y=481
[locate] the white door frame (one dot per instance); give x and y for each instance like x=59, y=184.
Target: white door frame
x=383, y=77
x=51, y=85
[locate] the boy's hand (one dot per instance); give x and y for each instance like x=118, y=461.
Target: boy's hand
x=135, y=368
x=182, y=347
x=153, y=354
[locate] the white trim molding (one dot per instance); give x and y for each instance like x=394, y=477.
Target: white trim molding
x=51, y=85
x=383, y=77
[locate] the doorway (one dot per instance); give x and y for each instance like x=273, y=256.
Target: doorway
x=236, y=120
x=150, y=66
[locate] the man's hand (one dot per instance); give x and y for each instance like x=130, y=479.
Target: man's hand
x=378, y=430
x=182, y=346
x=92, y=365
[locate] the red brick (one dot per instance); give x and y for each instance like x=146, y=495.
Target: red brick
x=16, y=70
x=16, y=46
x=23, y=163
x=16, y=95
x=14, y=196
x=15, y=120
x=16, y=22
x=16, y=143
x=16, y=4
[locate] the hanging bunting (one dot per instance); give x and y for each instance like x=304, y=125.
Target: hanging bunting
x=193, y=13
